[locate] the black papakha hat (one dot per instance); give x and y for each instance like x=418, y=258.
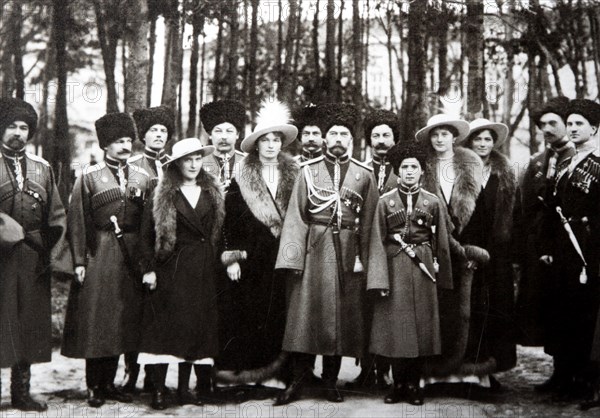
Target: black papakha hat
x=310, y=115
x=342, y=114
x=557, y=105
x=12, y=110
x=407, y=149
x=147, y=118
x=113, y=126
x=381, y=117
x=589, y=109
x=221, y=111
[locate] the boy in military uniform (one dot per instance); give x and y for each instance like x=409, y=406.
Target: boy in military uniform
x=29, y=200
x=324, y=239
x=104, y=308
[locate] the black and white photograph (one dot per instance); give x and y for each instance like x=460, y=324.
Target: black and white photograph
x=299, y=208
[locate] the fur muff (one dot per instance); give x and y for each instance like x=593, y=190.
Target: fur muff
x=257, y=196
x=505, y=196
x=165, y=213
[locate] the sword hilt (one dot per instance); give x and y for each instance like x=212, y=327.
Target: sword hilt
x=113, y=219
x=560, y=213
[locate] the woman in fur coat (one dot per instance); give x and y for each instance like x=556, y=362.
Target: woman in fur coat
x=180, y=229
x=252, y=304
x=454, y=174
x=493, y=288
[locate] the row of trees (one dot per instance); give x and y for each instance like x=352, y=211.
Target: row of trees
x=304, y=51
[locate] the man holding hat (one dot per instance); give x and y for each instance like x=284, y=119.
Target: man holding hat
x=323, y=241
x=307, y=120
x=572, y=249
x=31, y=206
x=223, y=121
x=382, y=131
x=155, y=127
x=537, y=181
x=104, y=308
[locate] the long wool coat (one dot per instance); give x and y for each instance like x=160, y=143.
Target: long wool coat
x=465, y=244
x=179, y=242
x=406, y=323
x=322, y=318
x=253, y=309
x=25, y=311
x=103, y=315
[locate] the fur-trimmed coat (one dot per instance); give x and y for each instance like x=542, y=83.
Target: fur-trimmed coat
x=466, y=243
x=179, y=243
x=253, y=308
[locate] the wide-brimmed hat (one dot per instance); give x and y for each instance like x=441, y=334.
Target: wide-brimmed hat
x=442, y=119
x=188, y=146
x=273, y=116
x=481, y=124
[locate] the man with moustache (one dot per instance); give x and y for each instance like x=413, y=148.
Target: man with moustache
x=534, y=306
x=307, y=120
x=323, y=241
x=574, y=201
x=30, y=203
x=105, y=302
x=155, y=127
x=223, y=121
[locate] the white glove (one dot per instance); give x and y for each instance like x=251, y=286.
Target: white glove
x=234, y=271
x=80, y=274
x=150, y=280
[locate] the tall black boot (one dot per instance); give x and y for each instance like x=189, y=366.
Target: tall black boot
x=397, y=392
x=109, y=372
x=301, y=365
x=158, y=373
x=184, y=395
x=19, y=389
x=204, y=386
x=414, y=393
x=382, y=370
x=331, y=370
x=93, y=378
x=132, y=371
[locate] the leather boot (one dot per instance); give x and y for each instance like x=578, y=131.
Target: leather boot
x=158, y=372
x=395, y=395
x=132, y=371
x=109, y=372
x=204, y=386
x=184, y=395
x=19, y=390
x=93, y=380
x=331, y=369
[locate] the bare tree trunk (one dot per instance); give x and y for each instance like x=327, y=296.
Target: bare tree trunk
x=476, y=101
x=278, y=63
x=414, y=111
x=137, y=65
x=59, y=155
x=296, y=63
x=202, y=79
x=197, y=30
x=330, y=88
x=442, y=52
x=366, y=51
x=218, y=54
x=252, y=62
x=340, y=47
x=315, y=47
x=152, y=48
x=173, y=58
x=509, y=87
x=232, y=73
x=595, y=33
x=108, y=46
x=244, y=92
x=284, y=89
x=17, y=50
x=357, y=55
x=388, y=33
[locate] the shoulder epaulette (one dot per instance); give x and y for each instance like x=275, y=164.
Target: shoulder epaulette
x=140, y=170
x=314, y=160
x=428, y=192
x=360, y=163
x=135, y=158
x=388, y=193
x=243, y=154
x=87, y=168
x=37, y=159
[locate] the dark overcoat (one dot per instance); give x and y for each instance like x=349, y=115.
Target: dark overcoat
x=103, y=315
x=406, y=323
x=178, y=242
x=25, y=309
x=253, y=308
x=322, y=317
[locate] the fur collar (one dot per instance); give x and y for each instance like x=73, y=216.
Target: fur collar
x=165, y=213
x=467, y=185
x=505, y=195
x=257, y=196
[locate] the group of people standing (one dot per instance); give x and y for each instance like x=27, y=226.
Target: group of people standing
x=244, y=265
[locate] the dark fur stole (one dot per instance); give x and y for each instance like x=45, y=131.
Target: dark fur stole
x=257, y=196
x=165, y=213
x=505, y=196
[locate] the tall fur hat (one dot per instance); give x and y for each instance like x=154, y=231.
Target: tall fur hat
x=407, y=149
x=221, y=111
x=113, y=126
x=381, y=117
x=308, y=116
x=589, y=109
x=147, y=118
x=12, y=110
x=342, y=114
x=557, y=105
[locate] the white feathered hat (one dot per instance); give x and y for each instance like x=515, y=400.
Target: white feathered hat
x=273, y=116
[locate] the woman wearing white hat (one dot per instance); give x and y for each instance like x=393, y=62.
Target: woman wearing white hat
x=453, y=173
x=252, y=303
x=180, y=229
x=492, y=318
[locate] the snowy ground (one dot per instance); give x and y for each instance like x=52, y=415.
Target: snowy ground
x=61, y=384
